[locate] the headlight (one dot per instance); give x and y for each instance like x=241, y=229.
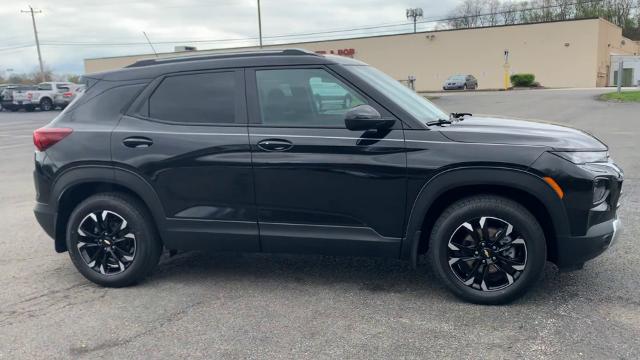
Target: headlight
x=600, y=190
x=584, y=157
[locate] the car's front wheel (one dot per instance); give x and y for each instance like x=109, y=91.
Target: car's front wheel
x=487, y=249
x=111, y=240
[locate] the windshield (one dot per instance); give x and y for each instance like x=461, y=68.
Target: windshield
x=416, y=105
x=457, y=77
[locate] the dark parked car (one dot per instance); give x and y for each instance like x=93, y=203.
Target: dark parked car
x=460, y=82
x=234, y=152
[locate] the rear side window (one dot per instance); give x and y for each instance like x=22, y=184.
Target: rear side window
x=195, y=98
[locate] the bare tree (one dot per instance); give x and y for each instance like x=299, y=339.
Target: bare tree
x=492, y=8
x=509, y=12
x=35, y=76
x=564, y=9
x=474, y=13
x=466, y=15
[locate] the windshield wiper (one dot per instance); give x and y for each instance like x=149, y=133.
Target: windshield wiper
x=453, y=117
x=439, y=122
x=460, y=116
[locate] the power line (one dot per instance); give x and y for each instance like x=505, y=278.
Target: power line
x=335, y=31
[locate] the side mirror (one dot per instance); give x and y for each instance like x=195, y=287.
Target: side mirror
x=365, y=117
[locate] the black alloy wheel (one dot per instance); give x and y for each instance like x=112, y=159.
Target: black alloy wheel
x=487, y=249
x=112, y=240
x=487, y=253
x=106, y=242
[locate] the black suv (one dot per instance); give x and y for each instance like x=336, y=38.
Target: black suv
x=261, y=152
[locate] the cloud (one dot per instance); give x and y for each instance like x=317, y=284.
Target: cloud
x=88, y=22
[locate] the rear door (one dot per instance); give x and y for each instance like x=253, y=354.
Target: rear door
x=320, y=187
x=186, y=135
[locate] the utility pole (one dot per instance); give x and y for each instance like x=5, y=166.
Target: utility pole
x=259, y=25
x=414, y=14
x=35, y=32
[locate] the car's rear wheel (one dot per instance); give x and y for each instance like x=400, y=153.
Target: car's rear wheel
x=46, y=104
x=111, y=240
x=487, y=249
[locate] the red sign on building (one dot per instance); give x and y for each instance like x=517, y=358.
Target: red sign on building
x=342, y=52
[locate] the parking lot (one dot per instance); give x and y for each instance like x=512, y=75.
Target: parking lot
x=283, y=306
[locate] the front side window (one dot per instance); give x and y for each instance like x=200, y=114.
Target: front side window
x=304, y=97
x=195, y=98
x=419, y=107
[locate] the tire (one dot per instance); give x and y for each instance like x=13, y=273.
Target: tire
x=135, y=247
x=46, y=104
x=505, y=274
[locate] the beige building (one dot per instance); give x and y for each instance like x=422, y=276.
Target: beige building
x=573, y=53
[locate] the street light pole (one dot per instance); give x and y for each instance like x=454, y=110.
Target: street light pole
x=620, y=70
x=35, y=32
x=414, y=14
x=259, y=24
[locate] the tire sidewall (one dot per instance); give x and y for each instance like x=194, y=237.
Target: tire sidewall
x=46, y=104
x=520, y=218
x=145, y=251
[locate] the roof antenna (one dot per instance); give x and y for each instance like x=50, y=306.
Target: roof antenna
x=150, y=44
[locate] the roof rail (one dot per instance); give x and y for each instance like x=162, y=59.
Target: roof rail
x=223, y=55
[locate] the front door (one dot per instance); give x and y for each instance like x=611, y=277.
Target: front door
x=187, y=137
x=320, y=187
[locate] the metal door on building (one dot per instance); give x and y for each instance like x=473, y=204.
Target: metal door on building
x=627, y=77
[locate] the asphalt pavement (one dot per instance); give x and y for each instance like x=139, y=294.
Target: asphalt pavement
x=264, y=306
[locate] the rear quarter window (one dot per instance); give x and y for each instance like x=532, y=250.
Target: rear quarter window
x=102, y=105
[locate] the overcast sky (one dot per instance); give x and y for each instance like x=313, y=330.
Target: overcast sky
x=87, y=22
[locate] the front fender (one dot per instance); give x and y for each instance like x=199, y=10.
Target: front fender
x=451, y=179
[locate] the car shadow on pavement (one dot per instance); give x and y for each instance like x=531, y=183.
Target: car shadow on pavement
x=340, y=273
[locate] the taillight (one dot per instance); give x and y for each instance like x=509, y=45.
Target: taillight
x=67, y=94
x=45, y=138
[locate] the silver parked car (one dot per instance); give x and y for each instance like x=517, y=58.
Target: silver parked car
x=460, y=82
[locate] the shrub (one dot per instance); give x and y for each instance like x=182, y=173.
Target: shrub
x=523, y=80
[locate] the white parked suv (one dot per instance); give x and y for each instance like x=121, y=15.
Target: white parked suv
x=48, y=96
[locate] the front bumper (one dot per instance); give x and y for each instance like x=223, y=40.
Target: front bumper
x=574, y=251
